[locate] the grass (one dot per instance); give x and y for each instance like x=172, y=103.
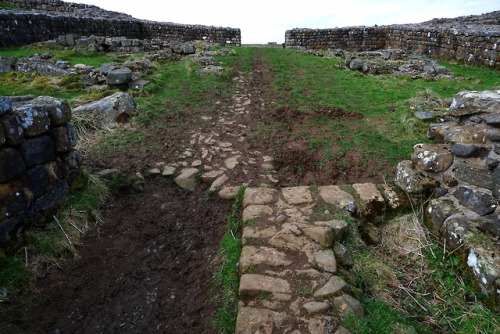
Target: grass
x=227, y=277
x=48, y=246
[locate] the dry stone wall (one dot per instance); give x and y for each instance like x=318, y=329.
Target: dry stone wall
x=38, y=21
x=471, y=39
x=38, y=162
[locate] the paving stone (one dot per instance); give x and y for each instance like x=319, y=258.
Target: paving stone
x=228, y=192
x=218, y=182
x=253, y=256
x=253, y=284
x=332, y=287
x=258, y=196
x=321, y=325
x=343, y=255
x=256, y=211
x=187, y=178
x=346, y=304
x=322, y=235
x=168, y=171
x=338, y=227
x=297, y=195
x=259, y=321
x=325, y=259
x=316, y=307
x=336, y=196
x=255, y=232
x=232, y=162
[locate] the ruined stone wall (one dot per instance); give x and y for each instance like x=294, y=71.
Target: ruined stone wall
x=478, y=44
x=38, y=161
x=39, y=21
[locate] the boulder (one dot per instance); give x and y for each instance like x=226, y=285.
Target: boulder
x=119, y=76
x=184, y=49
x=431, y=158
x=187, y=178
x=468, y=103
x=37, y=150
x=7, y=64
x=410, y=180
x=115, y=108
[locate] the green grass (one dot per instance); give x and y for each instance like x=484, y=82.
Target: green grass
x=228, y=276
x=7, y=6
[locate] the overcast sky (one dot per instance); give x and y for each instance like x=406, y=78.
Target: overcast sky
x=266, y=21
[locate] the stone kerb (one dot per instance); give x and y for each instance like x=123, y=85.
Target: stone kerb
x=293, y=260
x=462, y=170
x=38, y=161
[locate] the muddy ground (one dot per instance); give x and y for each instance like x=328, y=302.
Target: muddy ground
x=150, y=269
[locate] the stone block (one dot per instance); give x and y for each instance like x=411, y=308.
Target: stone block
x=37, y=150
x=58, y=109
x=465, y=150
x=254, y=256
x=472, y=102
x=72, y=160
x=297, y=195
x=337, y=197
x=437, y=213
x=119, y=76
x=253, y=284
x=473, y=173
x=373, y=201
x=346, y=304
x=12, y=165
x=64, y=138
x=325, y=260
x=259, y=196
x=254, y=212
x=410, y=180
x=322, y=235
x=38, y=180
x=12, y=128
x=431, y=158
x=477, y=201
x=262, y=321
x=313, y=308
x=335, y=285
x=5, y=103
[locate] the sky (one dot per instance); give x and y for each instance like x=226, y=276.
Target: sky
x=263, y=21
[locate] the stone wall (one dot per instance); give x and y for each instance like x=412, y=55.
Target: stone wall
x=478, y=42
x=38, y=21
x=464, y=163
x=38, y=161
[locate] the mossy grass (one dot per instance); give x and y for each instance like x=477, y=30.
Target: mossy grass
x=227, y=277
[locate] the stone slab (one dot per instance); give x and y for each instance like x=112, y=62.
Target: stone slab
x=297, y=195
x=259, y=196
x=254, y=256
x=336, y=196
x=253, y=284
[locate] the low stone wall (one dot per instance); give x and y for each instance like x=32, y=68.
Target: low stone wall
x=476, y=43
x=50, y=19
x=464, y=164
x=38, y=161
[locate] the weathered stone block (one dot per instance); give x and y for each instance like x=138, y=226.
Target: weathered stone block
x=253, y=256
x=331, y=288
x=13, y=131
x=119, y=76
x=38, y=180
x=5, y=103
x=431, y=158
x=11, y=165
x=472, y=102
x=35, y=121
x=37, y=150
x=410, y=180
x=465, y=150
x=259, y=196
x=477, y=201
x=64, y=138
x=253, y=284
x=339, y=198
x=346, y=304
x=473, y=173
x=72, y=160
x=58, y=109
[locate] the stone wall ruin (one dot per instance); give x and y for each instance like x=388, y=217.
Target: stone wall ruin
x=42, y=20
x=473, y=39
x=38, y=161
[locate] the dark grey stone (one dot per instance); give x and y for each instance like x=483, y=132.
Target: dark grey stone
x=464, y=150
x=496, y=183
x=13, y=130
x=343, y=255
x=38, y=180
x=475, y=175
x=440, y=192
x=479, y=202
x=438, y=211
x=356, y=64
x=493, y=134
x=490, y=225
x=108, y=67
x=5, y=105
x=119, y=76
x=37, y=150
x=7, y=64
x=64, y=138
x=425, y=116
x=11, y=165
x=491, y=163
x=492, y=119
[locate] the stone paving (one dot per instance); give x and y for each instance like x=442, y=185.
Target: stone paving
x=292, y=263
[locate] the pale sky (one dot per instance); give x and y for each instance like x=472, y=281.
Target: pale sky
x=266, y=21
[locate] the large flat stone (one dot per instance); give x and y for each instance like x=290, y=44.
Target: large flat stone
x=187, y=178
x=338, y=227
x=259, y=196
x=254, y=212
x=316, y=307
x=410, y=180
x=339, y=198
x=297, y=195
x=255, y=232
x=322, y=235
x=472, y=172
x=254, y=256
x=346, y=304
x=431, y=157
x=477, y=201
x=261, y=321
x=253, y=284
x=325, y=260
x=331, y=288
x=474, y=102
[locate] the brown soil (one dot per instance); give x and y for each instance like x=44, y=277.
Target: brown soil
x=150, y=269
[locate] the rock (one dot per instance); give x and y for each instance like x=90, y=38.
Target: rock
x=218, y=182
x=232, y=162
x=168, y=171
x=5, y=105
x=58, y=109
x=12, y=129
x=356, y=64
x=474, y=174
x=297, y=195
x=210, y=69
x=313, y=308
x=371, y=233
x=119, y=76
x=325, y=260
x=343, y=255
x=37, y=150
x=438, y=211
x=425, y=116
x=253, y=212
x=184, y=49
x=114, y=108
x=493, y=120
x=228, y=192
x=11, y=165
x=322, y=235
x=35, y=121
x=331, y=288
x=449, y=180
x=490, y=225
x=477, y=201
x=109, y=174
x=410, y=180
x=346, y=304
x=373, y=201
x=259, y=196
x=464, y=150
x=137, y=182
x=7, y=64
x=64, y=138
x=187, y=178
x=253, y=284
x=342, y=330
x=253, y=256
x=251, y=232
x=431, y=158
x=473, y=102
x=456, y=231
x=341, y=199
x=338, y=227
x=493, y=134
x=262, y=321
x=138, y=84
x=108, y=67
